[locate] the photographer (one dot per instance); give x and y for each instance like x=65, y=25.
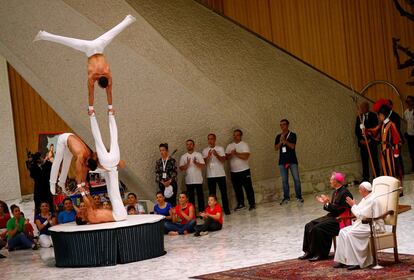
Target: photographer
x=40, y=173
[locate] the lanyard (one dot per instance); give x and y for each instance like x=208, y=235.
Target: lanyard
x=287, y=137
x=164, y=164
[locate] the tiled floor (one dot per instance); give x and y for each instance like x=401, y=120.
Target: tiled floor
x=270, y=233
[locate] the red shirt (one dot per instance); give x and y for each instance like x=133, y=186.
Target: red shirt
x=214, y=211
x=186, y=211
x=3, y=220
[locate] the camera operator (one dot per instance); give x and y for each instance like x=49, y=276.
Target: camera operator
x=40, y=172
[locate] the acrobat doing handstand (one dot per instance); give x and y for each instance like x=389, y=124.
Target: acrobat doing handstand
x=98, y=67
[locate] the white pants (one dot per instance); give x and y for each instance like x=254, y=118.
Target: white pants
x=112, y=185
x=89, y=47
x=107, y=159
x=62, y=154
x=45, y=241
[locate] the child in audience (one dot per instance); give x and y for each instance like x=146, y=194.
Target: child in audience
x=212, y=216
x=107, y=205
x=81, y=216
x=16, y=237
x=44, y=220
x=132, y=200
x=131, y=210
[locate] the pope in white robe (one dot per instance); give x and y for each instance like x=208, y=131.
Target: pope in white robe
x=353, y=241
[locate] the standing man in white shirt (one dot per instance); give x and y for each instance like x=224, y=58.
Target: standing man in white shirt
x=192, y=163
x=238, y=152
x=409, y=135
x=214, y=157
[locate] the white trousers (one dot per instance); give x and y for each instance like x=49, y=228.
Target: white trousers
x=89, y=47
x=107, y=159
x=112, y=185
x=62, y=154
x=45, y=241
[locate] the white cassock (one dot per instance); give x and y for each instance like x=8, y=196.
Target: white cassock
x=353, y=241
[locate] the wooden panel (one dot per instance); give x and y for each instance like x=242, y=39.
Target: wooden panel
x=31, y=115
x=349, y=40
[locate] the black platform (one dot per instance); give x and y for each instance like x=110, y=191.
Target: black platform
x=138, y=238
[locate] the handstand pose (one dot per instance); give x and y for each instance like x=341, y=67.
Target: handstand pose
x=69, y=145
x=98, y=68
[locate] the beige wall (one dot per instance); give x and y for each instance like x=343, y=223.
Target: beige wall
x=9, y=174
x=182, y=71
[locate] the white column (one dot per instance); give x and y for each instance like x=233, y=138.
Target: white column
x=9, y=172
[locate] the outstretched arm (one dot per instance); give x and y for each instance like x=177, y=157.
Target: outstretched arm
x=81, y=170
x=109, y=89
x=91, y=96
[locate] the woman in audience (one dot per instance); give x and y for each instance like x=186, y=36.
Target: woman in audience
x=16, y=237
x=213, y=217
x=183, y=218
x=4, y=217
x=133, y=201
x=162, y=207
x=107, y=205
x=81, y=216
x=68, y=214
x=166, y=174
x=44, y=220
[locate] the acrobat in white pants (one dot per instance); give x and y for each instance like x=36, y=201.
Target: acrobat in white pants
x=62, y=154
x=109, y=161
x=89, y=47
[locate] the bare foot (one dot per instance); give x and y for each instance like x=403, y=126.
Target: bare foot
x=185, y=232
x=173, y=233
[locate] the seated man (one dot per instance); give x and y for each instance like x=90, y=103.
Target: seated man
x=132, y=201
x=69, y=145
x=68, y=214
x=317, y=238
x=352, y=249
x=212, y=216
x=183, y=217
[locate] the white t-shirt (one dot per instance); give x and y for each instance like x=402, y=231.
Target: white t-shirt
x=215, y=168
x=409, y=117
x=193, y=174
x=238, y=164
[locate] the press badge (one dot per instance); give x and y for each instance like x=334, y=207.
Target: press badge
x=283, y=149
x=164, y=175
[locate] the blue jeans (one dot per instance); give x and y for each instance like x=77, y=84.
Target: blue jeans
x=19, y=241
x=189, y=227
x=284, y=172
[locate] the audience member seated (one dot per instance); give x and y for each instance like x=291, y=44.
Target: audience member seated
x=68, y=214
x=4, y=217
x=44, y=220
x=352, y=250
x=183, y=218
x=133, y=201
x=131, y=210
x=212, y=216
x=81, y=216
x=162, y=207
x=107, y=205
x=16, y=236
x=318, y=233
x=97, y=200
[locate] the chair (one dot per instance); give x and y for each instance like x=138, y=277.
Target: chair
x=345, y=219
x=385, y=189
x=148, y=205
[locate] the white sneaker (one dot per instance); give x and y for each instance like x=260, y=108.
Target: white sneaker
x=203, y=233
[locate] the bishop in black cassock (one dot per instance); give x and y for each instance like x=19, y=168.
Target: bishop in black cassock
x=317, y=239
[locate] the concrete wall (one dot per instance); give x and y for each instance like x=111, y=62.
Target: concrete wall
x=9, y=172
x=182, y=71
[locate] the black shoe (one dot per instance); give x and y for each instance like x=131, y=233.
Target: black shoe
x=227, y=212
x=285, y=201
x=315, y=259
x=197, y=234
x=252, y=207
x=353, y=267
x=339, y=265
x=300, y=200
x=240, y=207
x=2, y=256
x=305, y=256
